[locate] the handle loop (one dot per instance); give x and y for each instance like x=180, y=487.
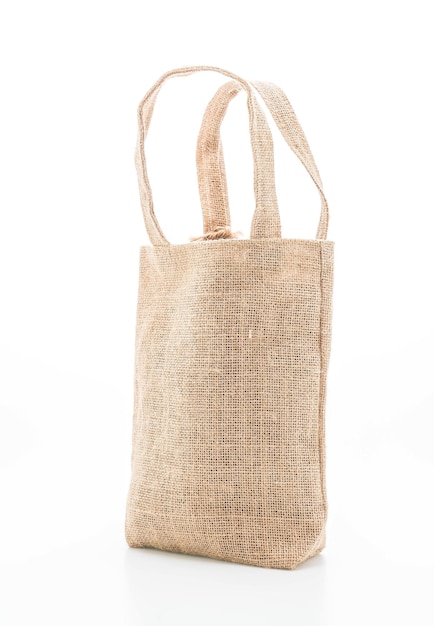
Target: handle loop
x=214, y=182
x=266, y=220
x=211, y=171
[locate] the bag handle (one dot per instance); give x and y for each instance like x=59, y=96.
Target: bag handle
x=288, y=124
x=266, y=220
x=211, y=171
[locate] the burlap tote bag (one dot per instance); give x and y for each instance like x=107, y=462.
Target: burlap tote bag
x=232, y=349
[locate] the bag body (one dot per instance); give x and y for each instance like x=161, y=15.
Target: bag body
x=232, y=349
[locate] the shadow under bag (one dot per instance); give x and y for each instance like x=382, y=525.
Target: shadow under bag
x=232, y=349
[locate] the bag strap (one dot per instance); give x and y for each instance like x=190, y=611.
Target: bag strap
x=211, y=172
x=288, y=124
x=266, y=220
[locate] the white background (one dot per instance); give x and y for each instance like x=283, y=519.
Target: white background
x=359, y=76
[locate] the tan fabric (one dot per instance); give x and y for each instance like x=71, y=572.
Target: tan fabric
x=210, y=162
x=232, y=348
x=266, y=222
x=209, y=155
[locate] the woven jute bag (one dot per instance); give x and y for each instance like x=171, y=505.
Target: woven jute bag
x=232, y=350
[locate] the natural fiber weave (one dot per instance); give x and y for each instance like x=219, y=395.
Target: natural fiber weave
x=232, y=348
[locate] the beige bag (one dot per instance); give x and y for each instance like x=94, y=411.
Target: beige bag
x=232, y=348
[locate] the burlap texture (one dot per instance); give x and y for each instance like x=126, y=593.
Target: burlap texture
x=232, y=348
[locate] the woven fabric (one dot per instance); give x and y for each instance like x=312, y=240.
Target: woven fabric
x=232, y=349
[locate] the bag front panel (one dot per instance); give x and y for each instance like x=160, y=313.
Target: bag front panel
x=231, y=355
